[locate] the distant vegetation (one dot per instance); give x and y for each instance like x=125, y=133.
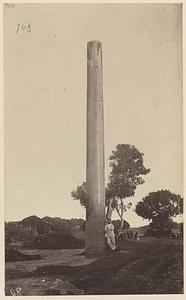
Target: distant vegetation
x=48, y=233
x=57, y=233
x=45, y=233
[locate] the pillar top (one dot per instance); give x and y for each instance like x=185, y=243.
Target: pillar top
x=93, y=42
x=94, y=49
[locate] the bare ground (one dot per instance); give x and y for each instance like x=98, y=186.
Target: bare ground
x=149, y=266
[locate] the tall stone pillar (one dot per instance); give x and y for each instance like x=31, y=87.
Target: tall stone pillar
x=95, y=176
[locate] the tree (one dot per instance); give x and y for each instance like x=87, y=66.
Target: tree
x=159, y=208
x=126, y=174
x=80, y=194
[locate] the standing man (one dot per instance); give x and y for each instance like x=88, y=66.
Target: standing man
x=109, y=234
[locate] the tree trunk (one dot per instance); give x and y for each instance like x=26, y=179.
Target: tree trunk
x=109, y=209
x=121, y=218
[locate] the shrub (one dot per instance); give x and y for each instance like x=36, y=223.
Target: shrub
x=55, y=241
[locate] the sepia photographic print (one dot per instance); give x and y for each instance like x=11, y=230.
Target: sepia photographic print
x=93, y=149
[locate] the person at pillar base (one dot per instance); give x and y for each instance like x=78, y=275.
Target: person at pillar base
x=109, y=234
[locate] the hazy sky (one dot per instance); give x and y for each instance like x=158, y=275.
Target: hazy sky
x=45, y=99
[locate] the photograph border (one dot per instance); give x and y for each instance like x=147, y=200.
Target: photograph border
x=2, y=255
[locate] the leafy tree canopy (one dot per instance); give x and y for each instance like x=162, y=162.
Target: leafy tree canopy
x=127, y=170
x=80, y=194
x=160, y=207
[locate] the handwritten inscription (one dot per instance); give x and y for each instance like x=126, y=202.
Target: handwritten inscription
x=23, y=28
x=9, y=5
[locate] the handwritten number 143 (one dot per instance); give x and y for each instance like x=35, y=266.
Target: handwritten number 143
x=23, y=27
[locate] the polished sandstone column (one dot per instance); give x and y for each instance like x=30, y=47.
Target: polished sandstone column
x=95, y=176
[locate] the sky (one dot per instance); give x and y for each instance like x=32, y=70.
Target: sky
x=45, y=100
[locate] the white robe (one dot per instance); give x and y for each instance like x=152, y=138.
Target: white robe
x=109, y=234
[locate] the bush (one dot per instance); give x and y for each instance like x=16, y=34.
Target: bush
x=55, y=241
x=14, y=255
